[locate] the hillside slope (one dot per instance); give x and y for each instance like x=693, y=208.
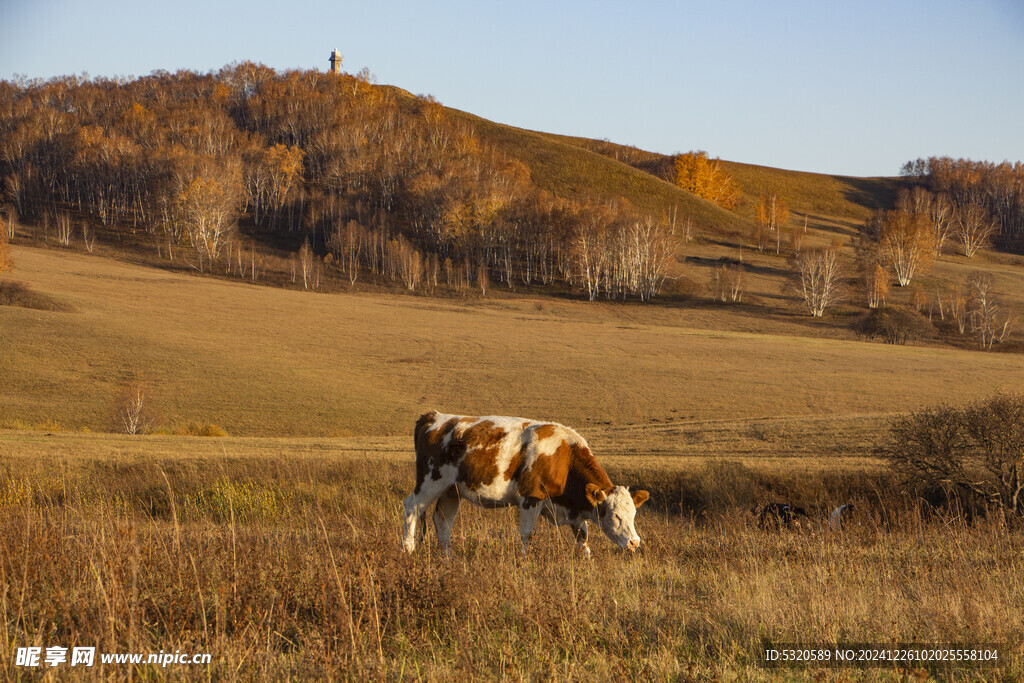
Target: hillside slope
x=576, y=171
x=817, y=194
x=267, y=361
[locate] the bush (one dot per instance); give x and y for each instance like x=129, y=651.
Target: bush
x=194, y=429
x=206, y=429
x=894, y=324
x=978, y=449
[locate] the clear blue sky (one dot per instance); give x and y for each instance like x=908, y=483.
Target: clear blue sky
x=854, y=87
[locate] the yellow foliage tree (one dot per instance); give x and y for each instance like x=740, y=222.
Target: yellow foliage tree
x=206, y=209
x=771, y=214
x=876, y=282
x=283, y=166
x=704, y=177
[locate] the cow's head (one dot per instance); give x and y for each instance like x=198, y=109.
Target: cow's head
x=616, y=511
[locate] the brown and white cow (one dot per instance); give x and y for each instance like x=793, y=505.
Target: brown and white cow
x=543, y=468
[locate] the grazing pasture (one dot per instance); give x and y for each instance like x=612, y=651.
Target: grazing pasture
x=277, y=549
x=266, y=361
x=282, y=557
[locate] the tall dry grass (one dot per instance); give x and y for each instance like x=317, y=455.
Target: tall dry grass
x=289, y=566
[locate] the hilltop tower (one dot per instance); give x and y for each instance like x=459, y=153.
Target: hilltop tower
x=335, y=62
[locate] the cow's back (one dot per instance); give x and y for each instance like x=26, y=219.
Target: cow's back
x=495, y=459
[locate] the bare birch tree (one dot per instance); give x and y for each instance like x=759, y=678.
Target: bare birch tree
x=206, y=210
x=306, y=264
x=906, y=242
x=972, y=227
x=941, y=214
x=818, y=278
x=771, y=214
x=988, y=320
x=63, y=225
x=88, y=237
x=482, y=280
x=956, y=302
x=131, y=407
x=727, y=283
x=6, y=262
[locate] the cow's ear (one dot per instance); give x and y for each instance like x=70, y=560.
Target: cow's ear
x=639, y=497
x=595, y=495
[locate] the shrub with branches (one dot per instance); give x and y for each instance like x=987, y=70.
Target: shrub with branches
x=894, y=324
x=906, y=241
x=695, y=172
x=977, y=449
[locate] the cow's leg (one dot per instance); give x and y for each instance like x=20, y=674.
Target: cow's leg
x=444, y=517
x=416, y=506
x=580, y=530
x=529, y=511
x=414, y=510
x=421, y=528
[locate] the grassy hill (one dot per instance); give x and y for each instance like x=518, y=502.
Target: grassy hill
x=571, y=170
x=834, y=207
x=816, y=194
x=572, y=167
x=269, y=361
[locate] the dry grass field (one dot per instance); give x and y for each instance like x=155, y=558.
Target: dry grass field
x=276, y=549
x=265, y=361
x=280, y=557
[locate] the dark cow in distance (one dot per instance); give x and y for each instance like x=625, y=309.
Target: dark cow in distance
x=543, y=468
x=779, y=515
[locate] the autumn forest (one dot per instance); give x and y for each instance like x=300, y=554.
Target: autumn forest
x=372, y=181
